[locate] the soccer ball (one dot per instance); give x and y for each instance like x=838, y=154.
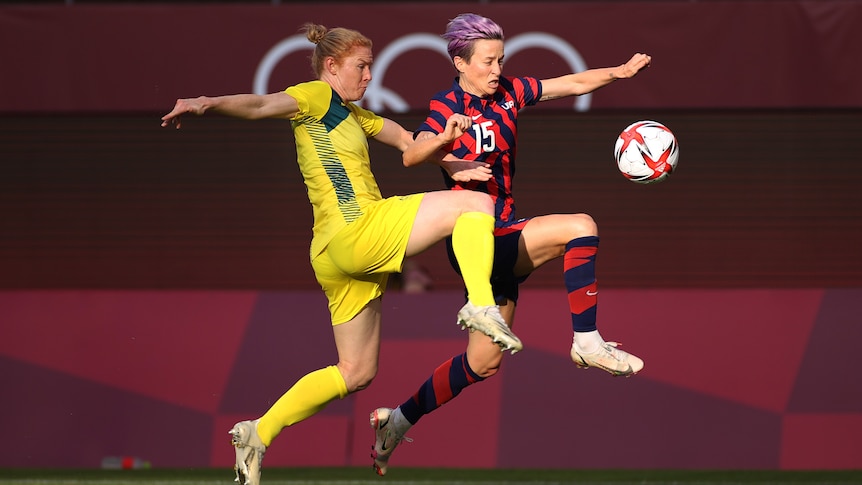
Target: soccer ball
x=646, y=152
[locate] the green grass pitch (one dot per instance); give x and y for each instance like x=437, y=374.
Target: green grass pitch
x=424, y=476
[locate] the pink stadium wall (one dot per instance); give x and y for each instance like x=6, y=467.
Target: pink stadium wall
x=153, y=276
x=98, y=373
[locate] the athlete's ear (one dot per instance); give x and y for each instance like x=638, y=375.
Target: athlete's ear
x=330, y=65
x=459, y=62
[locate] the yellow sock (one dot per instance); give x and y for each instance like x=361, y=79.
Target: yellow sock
x=473, y=244
x=308, y=396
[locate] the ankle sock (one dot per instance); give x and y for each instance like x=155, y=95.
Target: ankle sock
x=588, y=341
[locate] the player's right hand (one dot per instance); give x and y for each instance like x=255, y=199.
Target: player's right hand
x=182, y=106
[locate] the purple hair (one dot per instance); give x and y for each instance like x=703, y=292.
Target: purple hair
x=463, y=30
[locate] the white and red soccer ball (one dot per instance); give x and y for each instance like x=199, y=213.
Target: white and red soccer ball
x=646, y=152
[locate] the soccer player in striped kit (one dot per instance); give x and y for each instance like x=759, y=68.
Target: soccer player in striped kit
x=482, y=159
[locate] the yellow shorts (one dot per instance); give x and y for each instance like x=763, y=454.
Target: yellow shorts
x=355, y=266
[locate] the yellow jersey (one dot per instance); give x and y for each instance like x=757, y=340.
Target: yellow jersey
x=332, y=151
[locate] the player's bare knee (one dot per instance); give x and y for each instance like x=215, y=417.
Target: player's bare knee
x=487, y=372
x=357, y=379
x=362, y=382
x=487, y=365
x=581, y=225
x=362, y=385
x=477, y=202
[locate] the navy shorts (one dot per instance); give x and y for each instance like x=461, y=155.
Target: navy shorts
x=504, y=283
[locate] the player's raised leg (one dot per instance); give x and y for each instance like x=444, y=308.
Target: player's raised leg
x=575, y=237
x=466, y=215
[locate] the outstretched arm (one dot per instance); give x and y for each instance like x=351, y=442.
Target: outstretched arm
x=592, y=79
x=247, y=106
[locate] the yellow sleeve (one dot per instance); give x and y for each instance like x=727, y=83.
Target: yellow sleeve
x=370, y=122
x=302, y=96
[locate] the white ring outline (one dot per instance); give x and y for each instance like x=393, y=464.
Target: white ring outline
x=557, y=45
x=274, y=56
x=377, y=96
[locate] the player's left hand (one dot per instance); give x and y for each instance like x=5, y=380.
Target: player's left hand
x=456, y=125
x=466, y=170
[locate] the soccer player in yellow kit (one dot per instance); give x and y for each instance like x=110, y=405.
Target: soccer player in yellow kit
x=359, y=237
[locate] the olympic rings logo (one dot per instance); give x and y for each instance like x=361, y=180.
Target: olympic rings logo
x=380, y=98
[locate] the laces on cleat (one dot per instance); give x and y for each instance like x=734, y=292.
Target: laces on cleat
x=607, y=357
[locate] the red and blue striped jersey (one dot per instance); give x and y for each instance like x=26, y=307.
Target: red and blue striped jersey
x=492, y=138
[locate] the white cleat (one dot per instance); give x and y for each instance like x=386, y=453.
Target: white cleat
x=249, y=452
x=608, y=358
x=386, y=439
x=487, y=319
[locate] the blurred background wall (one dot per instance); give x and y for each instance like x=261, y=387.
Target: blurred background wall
x=156, y=281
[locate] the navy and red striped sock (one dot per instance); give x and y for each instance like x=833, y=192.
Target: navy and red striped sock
x=580, y=277
x=447, y=381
